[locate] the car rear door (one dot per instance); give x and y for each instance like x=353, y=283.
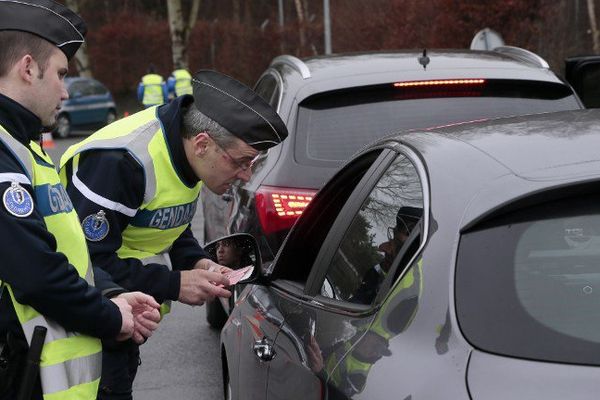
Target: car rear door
x=327, y=345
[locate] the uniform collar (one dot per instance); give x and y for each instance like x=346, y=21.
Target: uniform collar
x=21, y=123
x=171, y=117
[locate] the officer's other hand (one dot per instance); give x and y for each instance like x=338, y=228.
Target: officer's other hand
x=315, y=357
x=146, y=314
x=127, y=324
x=199, y=285
x=209, y=265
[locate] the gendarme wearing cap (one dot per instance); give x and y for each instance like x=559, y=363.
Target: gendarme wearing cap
x=46, y=19
x=238, y=109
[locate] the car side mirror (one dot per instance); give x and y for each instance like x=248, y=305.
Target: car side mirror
x=583, y=73
x=237, y=251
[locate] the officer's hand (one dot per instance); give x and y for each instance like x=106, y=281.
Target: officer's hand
x=199, y=285
x=209, y=265
x=127, y=324
x=315, y=358
x=146, y=314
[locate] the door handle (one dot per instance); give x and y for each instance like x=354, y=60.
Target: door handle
x=264, y=349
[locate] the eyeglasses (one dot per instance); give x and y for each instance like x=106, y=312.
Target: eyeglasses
x=243, y=165
x=402, y=227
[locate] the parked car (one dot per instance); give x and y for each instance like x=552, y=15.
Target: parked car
x=485, y=241
x=90, y=106
x=334, y=105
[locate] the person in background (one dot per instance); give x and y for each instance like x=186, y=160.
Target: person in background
x=179, y=83
x=138, y=222
x=152, y=90
x=46, y=276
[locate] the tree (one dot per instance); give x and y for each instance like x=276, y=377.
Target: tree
x=180, y=30
x=594, y=26
x=81, y=57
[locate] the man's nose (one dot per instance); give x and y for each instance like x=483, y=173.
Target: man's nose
x=245, y=175
x=386, y=247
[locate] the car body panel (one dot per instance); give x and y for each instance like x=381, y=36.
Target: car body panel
x=495, y=377
x=255, y=320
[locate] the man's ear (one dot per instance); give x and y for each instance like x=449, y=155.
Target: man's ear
x=27, y=68
x=201, y=143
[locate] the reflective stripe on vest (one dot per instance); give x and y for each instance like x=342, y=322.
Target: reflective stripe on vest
x=183, y=82
x=163, y=259
x=168, y=205
x=70, y=363
x=153, y=90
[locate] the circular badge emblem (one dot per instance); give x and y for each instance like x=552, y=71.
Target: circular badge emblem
x=17, y=201
x=95, y=226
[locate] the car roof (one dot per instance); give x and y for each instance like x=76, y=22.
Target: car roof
x=485, y=165
x=331, y=72
x=487, y=64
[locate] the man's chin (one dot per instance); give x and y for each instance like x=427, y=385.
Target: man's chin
x=49, y=127
x=219, y=190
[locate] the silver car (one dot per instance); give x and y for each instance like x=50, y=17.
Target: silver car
x=453, y=263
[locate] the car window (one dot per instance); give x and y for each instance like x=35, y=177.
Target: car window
x=332, y=126
x=528, y=283
x=267, y=89
x=78, y=88
x=97, y=88
x=297, y=256
x=375, y=235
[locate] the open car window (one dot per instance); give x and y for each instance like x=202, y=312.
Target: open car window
x=300, y=249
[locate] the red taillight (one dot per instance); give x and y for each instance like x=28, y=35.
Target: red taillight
x=278, y=208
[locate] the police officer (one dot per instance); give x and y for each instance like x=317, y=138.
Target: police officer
x=141, y=176
x=152, y=90
x=180, y=82
x=45, y=273
x=406, y=219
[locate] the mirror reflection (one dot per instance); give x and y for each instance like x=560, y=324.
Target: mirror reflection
x=235, y=251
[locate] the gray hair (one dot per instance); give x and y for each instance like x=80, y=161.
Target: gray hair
x=195, y=122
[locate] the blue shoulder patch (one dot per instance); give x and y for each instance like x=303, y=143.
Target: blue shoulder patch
x=17, y=201
x=95, y=226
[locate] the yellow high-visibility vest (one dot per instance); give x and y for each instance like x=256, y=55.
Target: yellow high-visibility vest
x=168, y=205
x=183, y=82
x=153, y=90
x=71, y=363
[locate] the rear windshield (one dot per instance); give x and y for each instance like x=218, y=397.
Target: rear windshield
x=334, y=125
x=528, y=283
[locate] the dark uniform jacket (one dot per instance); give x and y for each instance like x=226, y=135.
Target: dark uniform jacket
x=39, y=275
x=122, y=181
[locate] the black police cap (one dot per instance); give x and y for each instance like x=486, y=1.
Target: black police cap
x=238, y=109
x=408, y=214
x=45, y=18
